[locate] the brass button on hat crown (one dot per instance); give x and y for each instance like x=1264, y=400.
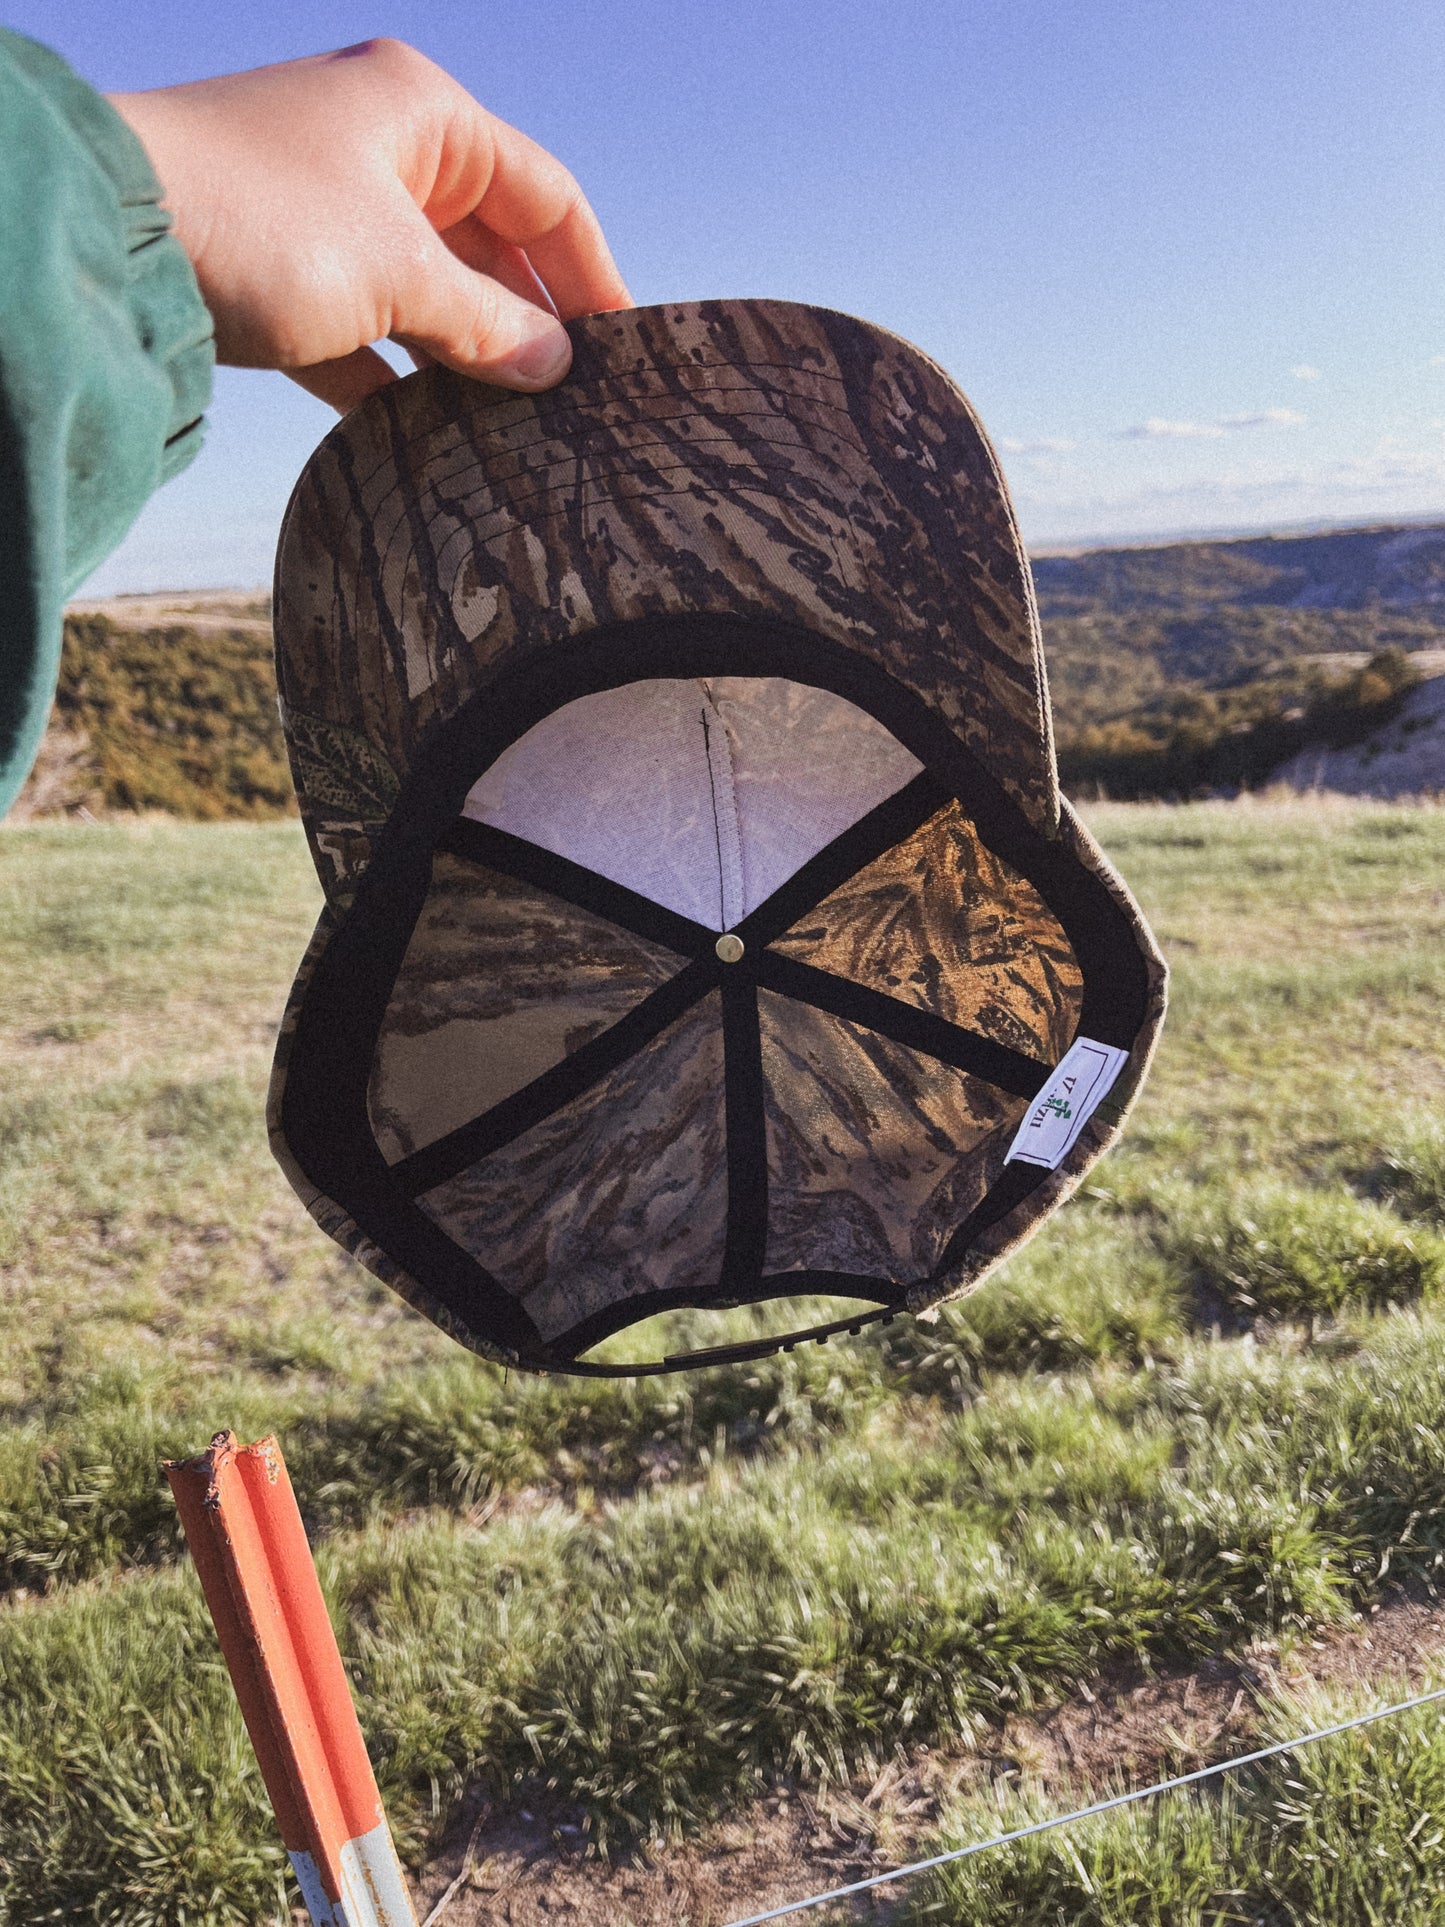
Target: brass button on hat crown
x=728, y=947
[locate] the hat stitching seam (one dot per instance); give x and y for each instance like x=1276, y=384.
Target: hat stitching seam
x=559, y=427
x=612, y=388
x=474, y=525
x=626, y=457
x=482, y=536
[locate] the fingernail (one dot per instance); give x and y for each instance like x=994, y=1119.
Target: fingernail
x=542, y=359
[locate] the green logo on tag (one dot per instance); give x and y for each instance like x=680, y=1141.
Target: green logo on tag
x=1058, y=1106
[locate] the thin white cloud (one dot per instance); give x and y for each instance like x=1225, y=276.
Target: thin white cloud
x=1437, y=361
x=1389, y=466
x=1264, y=418
x=1158, y=429
x=1304, y=372
x=1390, y=480
x=1041, y=445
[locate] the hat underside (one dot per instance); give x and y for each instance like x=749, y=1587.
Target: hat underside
x=574, y=1087
x=579, y=1050
x=702, y=919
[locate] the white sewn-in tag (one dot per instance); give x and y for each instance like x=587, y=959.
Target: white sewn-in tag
x=1075, y=1090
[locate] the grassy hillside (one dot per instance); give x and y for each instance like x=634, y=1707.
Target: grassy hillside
x=1207, y=1406
x=173, y=718
x=1127, y=727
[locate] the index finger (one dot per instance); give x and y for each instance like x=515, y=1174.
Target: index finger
x=527, y=198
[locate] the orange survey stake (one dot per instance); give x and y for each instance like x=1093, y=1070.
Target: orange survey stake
x=256, y=1571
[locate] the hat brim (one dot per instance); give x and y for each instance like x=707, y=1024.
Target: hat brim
x=748, y=458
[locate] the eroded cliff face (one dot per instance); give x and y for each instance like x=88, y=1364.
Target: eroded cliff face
x=1405, y=757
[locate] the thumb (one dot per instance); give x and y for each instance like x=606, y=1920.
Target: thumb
x=471, y=323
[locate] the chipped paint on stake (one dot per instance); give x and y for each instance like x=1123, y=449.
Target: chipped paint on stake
x=256, y=1570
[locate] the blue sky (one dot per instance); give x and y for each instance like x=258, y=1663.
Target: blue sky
x=1188, y=261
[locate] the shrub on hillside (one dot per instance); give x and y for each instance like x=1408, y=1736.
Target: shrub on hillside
x=1191, y=740
x=174, y=719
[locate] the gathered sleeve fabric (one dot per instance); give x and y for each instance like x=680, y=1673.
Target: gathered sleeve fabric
x=106, y=355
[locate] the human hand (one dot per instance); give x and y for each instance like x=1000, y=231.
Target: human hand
x=331, y=202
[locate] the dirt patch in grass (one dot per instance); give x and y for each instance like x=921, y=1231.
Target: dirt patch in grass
x=527, y=1866
x=1152, y=1728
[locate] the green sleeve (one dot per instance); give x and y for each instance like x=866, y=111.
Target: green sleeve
x=105, y=364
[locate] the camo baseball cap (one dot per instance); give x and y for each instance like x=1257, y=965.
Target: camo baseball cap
x=703, y=923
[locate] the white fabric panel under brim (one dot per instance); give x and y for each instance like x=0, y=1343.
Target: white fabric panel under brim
x=704, y=796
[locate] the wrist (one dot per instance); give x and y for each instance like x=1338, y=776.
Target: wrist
x=152, y=119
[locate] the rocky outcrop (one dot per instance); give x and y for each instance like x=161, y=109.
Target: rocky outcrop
x=1404, y=757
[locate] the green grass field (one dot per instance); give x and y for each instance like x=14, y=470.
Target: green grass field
x=1206, y=1405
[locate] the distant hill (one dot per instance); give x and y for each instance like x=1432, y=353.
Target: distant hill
x=1375, y=568
x=1200, y=666
x=1176, y=670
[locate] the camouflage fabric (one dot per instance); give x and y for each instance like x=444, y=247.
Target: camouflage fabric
x=745, y=459
x=941, y=922
x=872, y=1149
x=1104, y=1126
x=500, y=982
x=635, y=1181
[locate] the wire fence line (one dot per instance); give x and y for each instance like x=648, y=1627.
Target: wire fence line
x=1087, y=1813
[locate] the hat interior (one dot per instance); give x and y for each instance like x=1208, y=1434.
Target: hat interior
x=571, y=1088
